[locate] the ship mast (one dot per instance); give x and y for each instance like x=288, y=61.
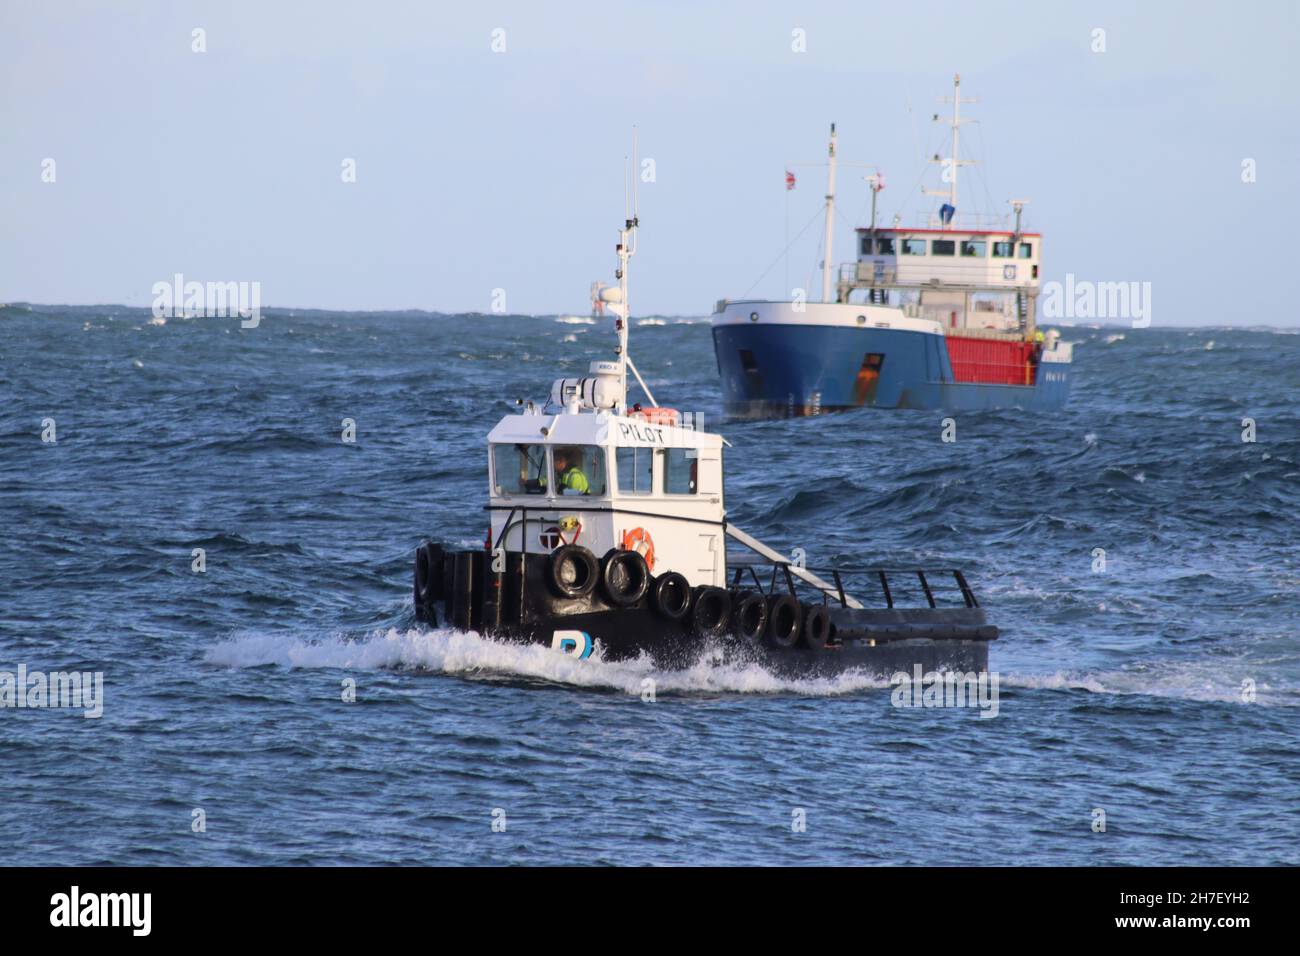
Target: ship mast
x=956, y=127
x=951, y=171
x=626, y=250
x=830, y=221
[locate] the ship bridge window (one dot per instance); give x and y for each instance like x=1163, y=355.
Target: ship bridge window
x=913, y=247
x=579, y=469
x=973, y=248
x=681, y=471
x=1002, y=250
x=1026, y=250
x=866, y=245
x=519, y=469
x=885, y=246
x=942, y=247
x=635, y=470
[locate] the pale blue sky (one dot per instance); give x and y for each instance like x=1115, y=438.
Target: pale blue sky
x=481, y=170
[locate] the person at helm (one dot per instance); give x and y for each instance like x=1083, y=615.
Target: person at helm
x=568, y=470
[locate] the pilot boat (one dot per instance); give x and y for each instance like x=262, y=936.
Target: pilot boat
x=608, y=537
x=941, y=315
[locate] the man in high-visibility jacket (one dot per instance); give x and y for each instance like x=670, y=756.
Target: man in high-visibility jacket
x=568, y=469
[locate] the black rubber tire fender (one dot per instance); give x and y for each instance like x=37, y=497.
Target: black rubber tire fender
x=710, y=611
x=784, y=617
x=429, y=558
x=624, y=577
x=670, y=595
x=816, y=628
x=572, y=571
x=749, y=616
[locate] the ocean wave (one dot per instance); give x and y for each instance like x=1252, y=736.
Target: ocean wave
x=1192, y=681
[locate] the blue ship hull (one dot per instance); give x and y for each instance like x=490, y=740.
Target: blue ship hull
x=772, y=370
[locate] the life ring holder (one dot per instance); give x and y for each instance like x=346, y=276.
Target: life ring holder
x=569, y=523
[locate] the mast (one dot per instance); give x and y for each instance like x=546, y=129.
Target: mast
x=624, y=254
x=1024, y=311
x=830, y=220
x=877, y=182
x=626, y=250
x=1018, y=205
x=956, y=124
x=951, y=192
x=621, y=308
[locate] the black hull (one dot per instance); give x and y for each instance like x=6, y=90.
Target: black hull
x=517, y=603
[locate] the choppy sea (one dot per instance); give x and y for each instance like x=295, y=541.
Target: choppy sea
x=1162, y=688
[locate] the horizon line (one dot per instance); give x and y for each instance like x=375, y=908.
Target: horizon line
x=548, y=315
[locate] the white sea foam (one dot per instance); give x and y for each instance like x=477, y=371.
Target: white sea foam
x=575, y=320
x=448, y=651
x=457, y=652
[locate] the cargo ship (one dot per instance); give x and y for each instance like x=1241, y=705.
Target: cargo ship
x=931, y=317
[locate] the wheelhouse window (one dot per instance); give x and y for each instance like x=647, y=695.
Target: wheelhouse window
x=973, y=248
x=942, y=247
x=913, y=247
x=579, y=469
x=885, y=245
x=1026, y=250
x=519, y=469
x=865, y=245
x=681, y=471
x=1002, y=250
x=635, y=470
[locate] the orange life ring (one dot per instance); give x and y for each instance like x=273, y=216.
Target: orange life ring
x=639, y=540
x=658, y=416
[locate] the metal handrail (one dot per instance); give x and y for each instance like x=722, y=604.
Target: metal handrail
x=881, y=574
